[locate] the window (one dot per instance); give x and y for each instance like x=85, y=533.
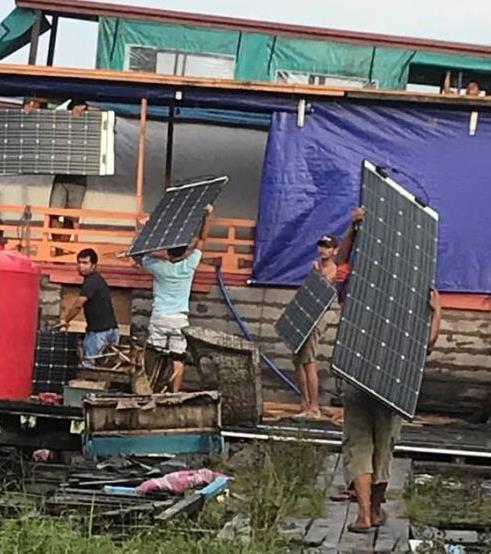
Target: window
x=298, y=78
x=173, y=62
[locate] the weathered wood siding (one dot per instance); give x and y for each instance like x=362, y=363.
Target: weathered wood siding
x=458, y=373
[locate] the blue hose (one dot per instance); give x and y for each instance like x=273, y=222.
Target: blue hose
x=247, y=334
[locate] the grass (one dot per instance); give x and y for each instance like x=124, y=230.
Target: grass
x=58, y=536
x=284, y=483
x=281, y=481
x=443, y=501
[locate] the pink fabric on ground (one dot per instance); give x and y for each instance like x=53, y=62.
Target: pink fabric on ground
x=179, y=481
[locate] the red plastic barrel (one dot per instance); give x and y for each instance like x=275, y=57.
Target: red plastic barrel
x=19, y=299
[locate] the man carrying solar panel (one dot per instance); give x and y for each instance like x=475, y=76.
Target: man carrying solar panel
x=370, y=428
x=173, y=272
x=305, y=359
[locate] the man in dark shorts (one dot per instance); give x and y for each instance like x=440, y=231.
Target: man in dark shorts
x=95, y=299
x=370, y=429
x=305, y=359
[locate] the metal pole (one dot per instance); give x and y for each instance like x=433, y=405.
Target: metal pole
x=140, y=167
x=35, y=31
x=52, y=40
x=170, y=146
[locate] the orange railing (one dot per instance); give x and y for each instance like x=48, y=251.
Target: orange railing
x=36, y=231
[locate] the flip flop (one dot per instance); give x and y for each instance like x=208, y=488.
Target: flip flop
x=352, y=528
x=383, y=521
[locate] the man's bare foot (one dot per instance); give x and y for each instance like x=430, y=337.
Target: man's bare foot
x=314, y=414
x=378, y=518
x=361, y=525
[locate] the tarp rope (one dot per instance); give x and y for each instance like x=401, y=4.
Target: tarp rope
x=247, y=334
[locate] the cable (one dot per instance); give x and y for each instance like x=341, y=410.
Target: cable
x=247, y=334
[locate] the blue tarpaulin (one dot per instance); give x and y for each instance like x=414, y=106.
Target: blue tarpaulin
x=311, y=183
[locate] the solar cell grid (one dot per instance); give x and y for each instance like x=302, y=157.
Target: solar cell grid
x=54, y=142
x=305, y=310
x=384, y=328
x=56, y=361
x=178, y=216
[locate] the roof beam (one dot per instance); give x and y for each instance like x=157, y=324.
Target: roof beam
x=309, y=92
x=85, y=9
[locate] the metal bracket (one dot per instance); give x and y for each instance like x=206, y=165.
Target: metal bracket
x=301, y=112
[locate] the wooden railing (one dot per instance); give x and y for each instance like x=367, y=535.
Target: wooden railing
x=57, y=235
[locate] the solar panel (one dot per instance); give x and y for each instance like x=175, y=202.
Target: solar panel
x=56, y=361
x=55, y=142
x=384, y=328
x=178, y=215
x=305, y=310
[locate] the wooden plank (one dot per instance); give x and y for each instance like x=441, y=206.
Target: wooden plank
x=140, y=77
x=353, y=542
x=327, y=531
x=84, y=384
x=278, y=89
x=104, y=375
x=140, y=508
x=35, y=33
x=187, y=506
x=335, y=522
x=393, y=537
x=317, y=532
x=395, y=534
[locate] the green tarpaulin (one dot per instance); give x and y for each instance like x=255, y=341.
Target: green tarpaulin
x=15, y=30
x=261, y=56
x=452, y=62
x=257, y=56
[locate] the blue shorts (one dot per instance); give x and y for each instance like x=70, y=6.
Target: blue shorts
x=94, y=342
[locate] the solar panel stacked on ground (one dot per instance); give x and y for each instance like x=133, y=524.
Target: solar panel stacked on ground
x=384, y=328
x=305, y=310
x=178, y=216
x=56, y=361
x=54, y=142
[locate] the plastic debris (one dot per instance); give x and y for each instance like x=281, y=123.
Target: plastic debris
x=179, y=481
x=42, y=455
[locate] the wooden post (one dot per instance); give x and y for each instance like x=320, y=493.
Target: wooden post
x=52, y=40
x=460, y=81
x=170, y=146
x=35, y=31
x=141, y=156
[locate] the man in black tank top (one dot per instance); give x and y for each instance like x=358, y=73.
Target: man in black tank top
x=95, y=299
